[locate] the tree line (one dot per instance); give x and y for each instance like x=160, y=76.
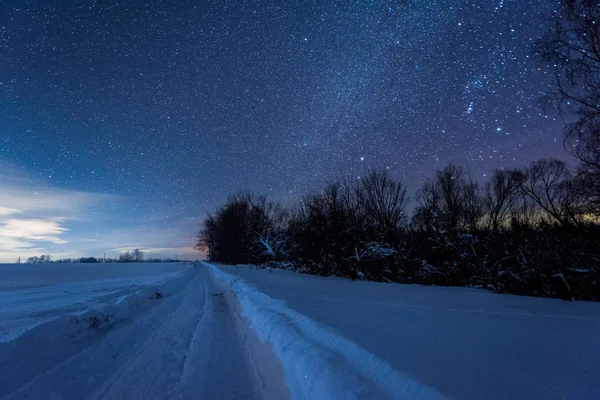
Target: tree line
x=525, y=231
x=127, y=257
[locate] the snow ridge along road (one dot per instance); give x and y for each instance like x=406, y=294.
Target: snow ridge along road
x=189, y=343
x=467, y=343
x=319, y=364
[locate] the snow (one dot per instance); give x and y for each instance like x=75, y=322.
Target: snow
x=184, y=331
x=465, y=343
x=319, y=364
x=189, y=342
x=31, y=294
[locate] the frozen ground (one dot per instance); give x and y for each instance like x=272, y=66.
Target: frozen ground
x=34, y=293
x=466, y=343
x=190, y=342
x=318, y=363
x=102, y=332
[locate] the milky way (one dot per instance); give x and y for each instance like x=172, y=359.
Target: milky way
x=167, y=107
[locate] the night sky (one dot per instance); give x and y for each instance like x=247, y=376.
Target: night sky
x=122, y=125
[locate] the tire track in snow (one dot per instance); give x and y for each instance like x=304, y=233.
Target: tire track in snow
x=156, y=366
x=187, y=346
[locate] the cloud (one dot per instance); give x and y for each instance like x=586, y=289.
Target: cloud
x=34, y=216
x=5, y=211
x=34, y=229
x=45, y=200
x=21, y=194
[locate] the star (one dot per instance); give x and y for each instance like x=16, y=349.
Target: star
x=167, y=108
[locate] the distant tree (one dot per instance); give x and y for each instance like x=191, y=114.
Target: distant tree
x=334, y=230
x=426, y=214
x=473, y=208
x=382, y=201
x=208, y=237
x=138, y=255
x=500, y=196
x=126, y=257
x=268, y=223
x=449, y=202
x=572, y=49
x=523, y=212
x=450, y=183
x=327, y=227
x=550, y=185
x=45, y=258
x=88, y=260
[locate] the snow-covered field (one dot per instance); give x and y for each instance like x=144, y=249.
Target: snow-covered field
x=466, y=343
x=218, y=332
x=34, y=293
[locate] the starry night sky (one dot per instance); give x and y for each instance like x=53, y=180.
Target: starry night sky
x=121, y=125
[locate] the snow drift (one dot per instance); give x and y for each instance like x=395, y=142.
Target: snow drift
x=317, y=363
x=67, y=334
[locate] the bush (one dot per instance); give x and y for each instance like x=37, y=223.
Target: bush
x=522, y=234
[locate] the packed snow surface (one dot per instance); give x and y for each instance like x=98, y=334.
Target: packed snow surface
x=161, y=332
x=465, y=343
x=319, y=364
x=156, y=331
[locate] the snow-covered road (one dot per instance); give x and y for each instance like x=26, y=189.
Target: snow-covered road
x=190, y=343
x=218, y=332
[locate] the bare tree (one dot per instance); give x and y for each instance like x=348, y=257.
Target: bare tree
x=472, y=205
x=138, y=255
x=523, y=211
x=426, y=214
x=126, y=257
x=382, y=202
x=208, y=237
x=572, y=48
x=500, y=196
x=44, y=258
x=550, y=185
x=450, y=202
x=450, y=183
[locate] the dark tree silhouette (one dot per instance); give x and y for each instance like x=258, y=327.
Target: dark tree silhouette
x=572, y=48
x=243, y=230
x=132, y=256
x=383, y=202
x=549, y=184
x=524, y=233
x=450, y=202
x=500, y=196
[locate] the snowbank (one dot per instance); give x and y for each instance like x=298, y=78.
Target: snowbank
x=128, y=303
x=32, y=294
x=70, y=333
x=467, y=343
x=318, y=363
